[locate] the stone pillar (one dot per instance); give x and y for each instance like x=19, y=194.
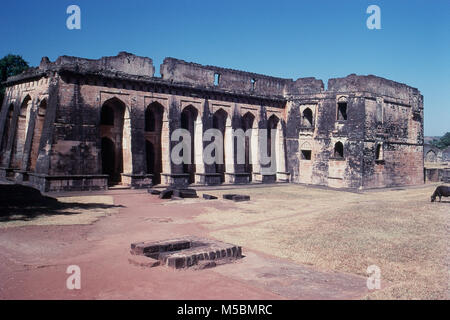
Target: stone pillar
x=282, y=175
x=165, y=150
x=198, y=151
x=229, y=153
x=4, y=111
x=254, y=150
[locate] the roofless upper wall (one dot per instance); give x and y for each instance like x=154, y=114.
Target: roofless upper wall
x=227, y=79
x=373, y=84
x=124, y=62
x=211, y=77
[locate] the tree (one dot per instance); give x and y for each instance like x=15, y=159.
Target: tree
x=443, y=142
x=10, y=65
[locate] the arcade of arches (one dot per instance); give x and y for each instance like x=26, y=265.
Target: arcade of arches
x=117, y=157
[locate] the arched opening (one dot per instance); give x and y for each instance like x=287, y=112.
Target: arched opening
x=248, y=121
x=272, y=124
x=20, y=133
x=153, y=128
x=431, y=156
x=112, y=133
x=7, y=128
x=307, y=118
x=188, y=120
x=219, y=123
x=38, y=127
x=339, y=150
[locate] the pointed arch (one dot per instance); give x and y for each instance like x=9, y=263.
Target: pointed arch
x=21, y=132
x=338, y=150
x=307, y=118
x=115, y=126
x=154, y=114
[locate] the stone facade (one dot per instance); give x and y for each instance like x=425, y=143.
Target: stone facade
x=80, y=124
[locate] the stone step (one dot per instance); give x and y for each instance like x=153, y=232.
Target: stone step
x=187, y=252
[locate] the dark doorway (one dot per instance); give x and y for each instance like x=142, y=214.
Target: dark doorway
x=153, y=129
x=272, y=124
x=108, y=161
x=152, y=166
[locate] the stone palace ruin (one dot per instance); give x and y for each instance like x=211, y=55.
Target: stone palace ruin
x=81, y=124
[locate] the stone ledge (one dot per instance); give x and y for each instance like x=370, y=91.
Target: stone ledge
x=143, y=261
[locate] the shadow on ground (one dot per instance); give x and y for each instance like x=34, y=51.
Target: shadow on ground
x=24, y=203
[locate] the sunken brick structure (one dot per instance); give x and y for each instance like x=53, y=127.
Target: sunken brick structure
x=80, y=124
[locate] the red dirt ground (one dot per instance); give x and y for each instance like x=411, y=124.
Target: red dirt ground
x=34, y=259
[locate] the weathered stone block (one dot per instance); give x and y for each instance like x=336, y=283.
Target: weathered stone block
x=209, y=197
x=166, y=194
x=236, y=197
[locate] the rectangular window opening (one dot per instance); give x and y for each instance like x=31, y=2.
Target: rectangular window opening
x=216, y=79
x=342, y=111
x=306, y=154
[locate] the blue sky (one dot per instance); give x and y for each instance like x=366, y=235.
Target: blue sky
x=289, y=39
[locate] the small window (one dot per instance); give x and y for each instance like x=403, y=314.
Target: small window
x=379, y=113
x=216, y=79
x=342, y=111
x=307, y=119
x=306, y=154
x=253, y=83
x=339, y=150
x=379, y=152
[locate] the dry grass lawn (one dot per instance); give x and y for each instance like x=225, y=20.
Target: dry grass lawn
x=400, y=231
